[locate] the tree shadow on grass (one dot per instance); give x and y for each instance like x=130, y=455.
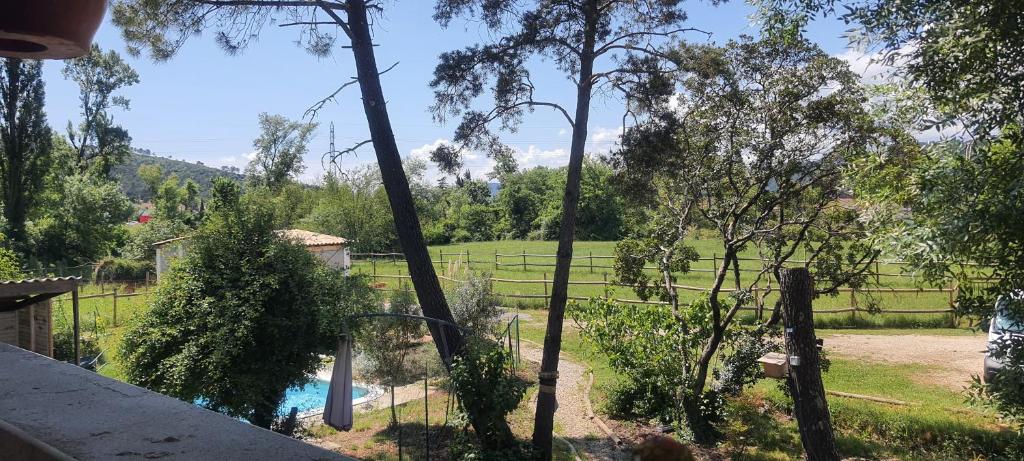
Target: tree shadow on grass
x=416, y=442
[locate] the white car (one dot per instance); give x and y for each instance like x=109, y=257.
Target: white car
x=1000, y=329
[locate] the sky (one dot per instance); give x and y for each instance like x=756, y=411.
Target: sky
x=202, y=105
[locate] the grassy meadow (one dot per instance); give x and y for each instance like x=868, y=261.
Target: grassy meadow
x=504, y=261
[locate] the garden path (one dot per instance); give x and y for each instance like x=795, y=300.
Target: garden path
x=571, y=421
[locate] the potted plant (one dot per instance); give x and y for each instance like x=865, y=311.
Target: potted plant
x=48, y=29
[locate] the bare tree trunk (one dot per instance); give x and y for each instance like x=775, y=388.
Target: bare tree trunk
x=394, y=415
x=448, y=341
x=548, y=376
x=407, y=224
x=805, y=371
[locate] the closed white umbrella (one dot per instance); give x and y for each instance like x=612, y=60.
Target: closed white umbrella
x=338, y=411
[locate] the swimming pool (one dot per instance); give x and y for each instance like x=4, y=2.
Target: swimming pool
x=312, y=397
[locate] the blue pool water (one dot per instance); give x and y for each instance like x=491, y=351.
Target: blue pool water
x=312, y=397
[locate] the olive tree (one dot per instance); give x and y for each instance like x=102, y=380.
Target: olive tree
x=960, y=61
x=753, y=146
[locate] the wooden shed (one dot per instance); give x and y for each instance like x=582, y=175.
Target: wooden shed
x=26, y=318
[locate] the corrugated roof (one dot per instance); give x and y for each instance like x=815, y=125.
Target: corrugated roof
x=311, y=239
x=38, y=280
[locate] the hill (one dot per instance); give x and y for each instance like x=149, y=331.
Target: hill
x=133, y=186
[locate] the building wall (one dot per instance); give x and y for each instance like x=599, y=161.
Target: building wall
x=167, y=253
x=336, y=256
x=29, y=328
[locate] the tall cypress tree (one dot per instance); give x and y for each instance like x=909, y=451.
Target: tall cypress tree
x=25, y=141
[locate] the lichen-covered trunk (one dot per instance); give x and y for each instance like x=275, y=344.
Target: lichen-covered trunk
x=805, y=385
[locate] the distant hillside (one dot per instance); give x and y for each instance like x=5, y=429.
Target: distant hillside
x=132, y=185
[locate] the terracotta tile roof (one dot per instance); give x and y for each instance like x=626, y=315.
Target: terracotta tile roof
x=311, y=239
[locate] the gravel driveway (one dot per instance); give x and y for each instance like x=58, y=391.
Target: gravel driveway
x=952, y=359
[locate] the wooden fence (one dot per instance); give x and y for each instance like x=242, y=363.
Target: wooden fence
x=113, y=295
x=523, y=261
x=758, y=292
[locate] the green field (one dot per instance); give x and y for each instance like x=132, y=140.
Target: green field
x=505, y=261
x=938, y=423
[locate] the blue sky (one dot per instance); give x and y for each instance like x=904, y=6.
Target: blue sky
x=202, y=104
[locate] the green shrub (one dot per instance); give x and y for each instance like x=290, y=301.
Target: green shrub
x=120, y=269
x=242, y=317
x=488, y=391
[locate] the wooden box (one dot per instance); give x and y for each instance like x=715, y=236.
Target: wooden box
x=774, y=365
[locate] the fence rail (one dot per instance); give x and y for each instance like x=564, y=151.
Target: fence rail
x=522, y=262
x=759, y=291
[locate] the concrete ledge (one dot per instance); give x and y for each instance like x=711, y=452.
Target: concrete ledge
x=53, y=408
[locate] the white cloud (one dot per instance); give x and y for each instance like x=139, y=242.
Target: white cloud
x=239, y=160
x=423, y=152
x=479, y=164
x=603, y=139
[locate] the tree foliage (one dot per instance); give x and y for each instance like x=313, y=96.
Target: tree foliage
x=354, y=206
x=753, y=146
x=25, y=142
x=242, y=317
x=98, y=142
x=279, y=150
x=83, y=221
x=959, y=63
x=963, y=54
x=390, y=341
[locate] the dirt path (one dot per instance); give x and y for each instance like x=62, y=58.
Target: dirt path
x=952, y=360
x=571, y=420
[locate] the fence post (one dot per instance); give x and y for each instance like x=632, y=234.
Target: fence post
x=853, y=301
x=759, y=302
x=373, y=261
x=524, y=260
x=591, y=262
x=954, y=290
x=440, y=254
x=495, y=260
x=878, y=276
x=469, y=262
x=714, y=262
x=115, y=307
x=546, y=288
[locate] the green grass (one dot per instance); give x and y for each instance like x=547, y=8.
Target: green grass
x=940, y=423
x=97, y=319
x=481, y=258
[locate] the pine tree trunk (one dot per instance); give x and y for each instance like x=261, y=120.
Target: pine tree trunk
x=548, y=377
x=407, y=224
x=449, y=341
x=804, y=380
